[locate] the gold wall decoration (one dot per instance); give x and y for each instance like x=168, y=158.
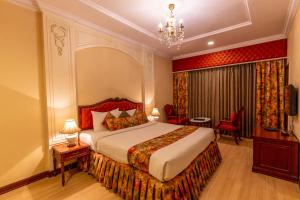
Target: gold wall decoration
x=59, y=33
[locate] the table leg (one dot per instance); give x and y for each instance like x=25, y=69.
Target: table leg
x=54, y=164
x=88, y=163
x=79, y=163
x=62, y=170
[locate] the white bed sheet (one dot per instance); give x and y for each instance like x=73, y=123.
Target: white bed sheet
x=166, y=162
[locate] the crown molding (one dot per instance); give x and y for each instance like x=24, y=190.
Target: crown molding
x=45, y=7
x=113, y=15
x=28, y=4
x=292, y=10
x=232, y=46
x=222, y=30
x=229, y=28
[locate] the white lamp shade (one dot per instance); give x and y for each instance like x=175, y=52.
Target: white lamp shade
x=70, y=127
x=155, y=112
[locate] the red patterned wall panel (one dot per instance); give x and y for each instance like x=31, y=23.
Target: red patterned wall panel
x=268, y=50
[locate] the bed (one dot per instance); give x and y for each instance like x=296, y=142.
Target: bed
x=152, y=160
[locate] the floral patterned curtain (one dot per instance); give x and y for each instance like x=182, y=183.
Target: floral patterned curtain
x=180, y=93
x=270, y=85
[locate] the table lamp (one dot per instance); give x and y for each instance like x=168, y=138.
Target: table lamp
x=70, y=129
x=155, y=113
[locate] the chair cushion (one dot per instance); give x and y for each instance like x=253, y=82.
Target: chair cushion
x=227, y=127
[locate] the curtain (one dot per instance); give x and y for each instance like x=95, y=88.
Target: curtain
x=217, y=92
x=180, y=93
x=270, y=85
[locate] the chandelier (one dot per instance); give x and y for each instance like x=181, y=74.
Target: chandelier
x=172, y=34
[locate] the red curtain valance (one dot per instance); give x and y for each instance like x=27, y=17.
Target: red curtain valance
x=268, y=50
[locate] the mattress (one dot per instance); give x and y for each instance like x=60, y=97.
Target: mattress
x=166, y=162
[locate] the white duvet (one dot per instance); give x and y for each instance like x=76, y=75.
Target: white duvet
x=166, y=162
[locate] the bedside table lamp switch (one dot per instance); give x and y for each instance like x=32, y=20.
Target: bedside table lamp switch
x=70, y=129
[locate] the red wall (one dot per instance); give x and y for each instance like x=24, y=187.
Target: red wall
x=268, y=50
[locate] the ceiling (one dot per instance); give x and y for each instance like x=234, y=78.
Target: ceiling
x=229, y=23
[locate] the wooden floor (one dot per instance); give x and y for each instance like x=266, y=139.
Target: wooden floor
x=233, y=180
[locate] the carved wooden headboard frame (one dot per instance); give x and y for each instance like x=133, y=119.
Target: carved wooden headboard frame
x=85, y=119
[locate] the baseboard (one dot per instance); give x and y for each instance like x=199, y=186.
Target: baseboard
x=23, y=182
x=34, y=178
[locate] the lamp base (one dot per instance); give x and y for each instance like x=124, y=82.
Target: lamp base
x=71, y=140
x=71, y=145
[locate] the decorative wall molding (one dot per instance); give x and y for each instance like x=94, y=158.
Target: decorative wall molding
x=75, y=19
x=59, y=74
x=88, y=38
x=61, y=39
x=148, y=81
x=59, y=33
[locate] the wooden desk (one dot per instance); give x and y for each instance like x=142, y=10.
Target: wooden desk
x=275, y=155
x=64, y=153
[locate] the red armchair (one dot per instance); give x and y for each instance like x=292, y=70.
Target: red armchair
x=173, y=118
x=232, y=125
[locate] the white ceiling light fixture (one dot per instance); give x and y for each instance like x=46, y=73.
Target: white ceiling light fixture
x=172, y=34
x=210, y=43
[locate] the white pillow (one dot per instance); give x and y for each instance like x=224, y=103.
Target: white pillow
x=131, y=112
x=98, y=118
x=116, y=113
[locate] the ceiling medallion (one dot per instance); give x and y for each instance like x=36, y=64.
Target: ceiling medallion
x=172, y=33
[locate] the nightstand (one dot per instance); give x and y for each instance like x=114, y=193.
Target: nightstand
x=63, y=153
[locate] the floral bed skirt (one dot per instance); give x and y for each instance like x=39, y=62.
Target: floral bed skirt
x=131, y=183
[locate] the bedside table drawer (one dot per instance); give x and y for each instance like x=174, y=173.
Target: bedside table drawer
x=75, y=154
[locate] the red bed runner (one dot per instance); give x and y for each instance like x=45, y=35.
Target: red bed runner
x=139, y=155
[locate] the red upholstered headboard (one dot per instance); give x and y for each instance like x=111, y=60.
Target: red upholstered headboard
x=85, y=119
